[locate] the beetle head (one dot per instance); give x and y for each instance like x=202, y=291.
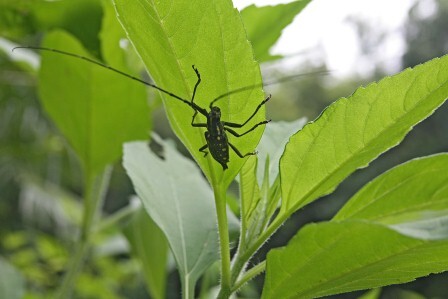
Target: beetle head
x=215, y=112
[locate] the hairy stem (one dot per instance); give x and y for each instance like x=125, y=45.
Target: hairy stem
x=254, y=271
x=272, y=228
x=242, y=257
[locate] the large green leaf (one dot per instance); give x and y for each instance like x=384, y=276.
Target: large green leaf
x=12, y=284
x=179, y=200
x=170, y=37
x=150, y=247
x=353, y=131
x=96, y=109
x=332, y=258
x=411, y=199
x=264, y=25
x=412, y=194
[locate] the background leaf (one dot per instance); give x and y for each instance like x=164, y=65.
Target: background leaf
x=180, y=201
x=26, y=19
x=89, y=104
x=353, y=131
x=150, y=247
x=264, y=25
x=214, y=40
x=336, y=257
x=111, y=35
x=12, y=284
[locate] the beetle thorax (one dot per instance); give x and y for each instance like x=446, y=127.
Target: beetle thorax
x=214, y=125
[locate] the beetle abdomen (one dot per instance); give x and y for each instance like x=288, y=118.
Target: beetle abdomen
x=219, y=148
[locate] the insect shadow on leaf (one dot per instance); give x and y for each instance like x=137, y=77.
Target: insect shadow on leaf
x=217, y=142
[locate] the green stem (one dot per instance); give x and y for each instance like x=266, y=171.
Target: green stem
x=237, y=266
x=241, y=258
x=188, y=288
x=115, y=218
x=94, y=191
x=76, y=262
x=264, y=237
x=221, y=211
x=254, y=271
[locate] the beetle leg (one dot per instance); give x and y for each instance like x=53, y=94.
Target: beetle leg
x=238, y=152
x=192, y=103
x=234, y=125
x=250, y=130
x=197, y=82
x=203, y=150
x=201, y=125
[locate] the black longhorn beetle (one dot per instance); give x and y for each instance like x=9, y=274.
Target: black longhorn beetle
x=217, y=141
x=216, y=137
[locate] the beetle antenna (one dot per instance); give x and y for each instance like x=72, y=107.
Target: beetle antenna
x=284, y=79
x=189, y=103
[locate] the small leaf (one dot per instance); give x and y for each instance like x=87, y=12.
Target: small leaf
x=150, y=246
x=250, y=200
x=404, y=294
x=111, y=35
x=12, y=284
x=272, y=144
x=95, y=109
x=257, y=205
x=259, y=216
x=180, y=201
x=250, y=190
x=211, y=36
x=372, y=294
x=264, y=25
x=353, y=131
x=337, y=257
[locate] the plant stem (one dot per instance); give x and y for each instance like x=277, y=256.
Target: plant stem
x=221, y=211
x=237, y=266
x=94, y=191
x=278, y=221
x=188, y=288
x=241, y=258
x=115, y=218
x=254, y=271
x=76, y=262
